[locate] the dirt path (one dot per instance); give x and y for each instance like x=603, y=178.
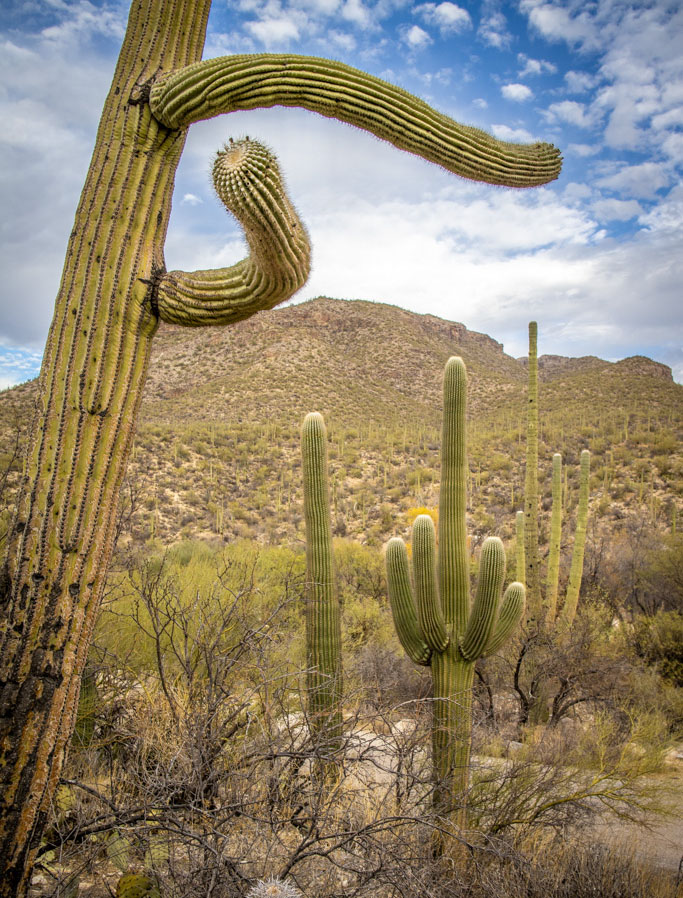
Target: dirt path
x=660, y=844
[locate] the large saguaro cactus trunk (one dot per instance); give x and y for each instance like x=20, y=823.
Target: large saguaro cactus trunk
x=114, y=291
x=90, y=388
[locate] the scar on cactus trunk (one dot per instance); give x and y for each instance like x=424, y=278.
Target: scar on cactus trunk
x=436, y=622
x=323, y=614
x=114, y=291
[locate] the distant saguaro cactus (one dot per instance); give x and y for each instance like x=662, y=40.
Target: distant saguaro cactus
x=323, y=614
x=435, y=620
x=543, y=608
x=114, y=290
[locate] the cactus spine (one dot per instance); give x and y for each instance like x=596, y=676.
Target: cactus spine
x=323, y=620
x=435, y=620
x=544, y=610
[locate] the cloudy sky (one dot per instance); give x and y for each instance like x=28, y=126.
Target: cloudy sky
x=596, y=258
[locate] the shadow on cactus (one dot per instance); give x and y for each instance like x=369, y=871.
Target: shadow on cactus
x=435, y=619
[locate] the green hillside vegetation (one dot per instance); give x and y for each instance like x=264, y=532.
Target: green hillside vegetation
x=217, y=450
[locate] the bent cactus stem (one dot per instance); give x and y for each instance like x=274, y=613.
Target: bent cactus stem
x=248, y=182
x=336, y=90
x=434, y=619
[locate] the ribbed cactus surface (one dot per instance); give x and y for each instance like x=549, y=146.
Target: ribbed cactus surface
x=323, y=615
x=336, y=90
x=435, y=619
x=249, y=183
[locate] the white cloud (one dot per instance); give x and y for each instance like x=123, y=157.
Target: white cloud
x=642, y=180
x=83, y=21
x=415, y=37
x=493, y=30
x=356, y=12
x=579, y=82
x=616, y=210
x=480, y=103
x=274, y=32
x=668, y=214
x=531, y=66
x=514, y=135
x=672, y=146
x=519, y=93
x=343, y=39
x=191, y=199
x=448, y=17
x=557, y=23
x=572, y=112
x=583, y=150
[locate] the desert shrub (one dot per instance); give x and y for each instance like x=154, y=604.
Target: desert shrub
x=659, y=640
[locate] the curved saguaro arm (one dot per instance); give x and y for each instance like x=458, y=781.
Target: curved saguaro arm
x=429, y=614
x=509, y=617
x=336, y=90
x=435, y=622
x=487, y=599
x=403, y=604
x=248, y=182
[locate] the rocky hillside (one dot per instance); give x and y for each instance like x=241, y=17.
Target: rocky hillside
x=217, y=451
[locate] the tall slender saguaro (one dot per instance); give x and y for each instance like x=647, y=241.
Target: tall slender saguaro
x=323, y=611
x=531, y=551
x=113, y=292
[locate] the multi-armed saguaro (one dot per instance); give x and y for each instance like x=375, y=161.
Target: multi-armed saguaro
x=113, y=293
x=543, y=609
x=435, y=620
x=323, y=615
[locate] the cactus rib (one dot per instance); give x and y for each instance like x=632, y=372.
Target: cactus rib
x=336, y=90
x=248, y=182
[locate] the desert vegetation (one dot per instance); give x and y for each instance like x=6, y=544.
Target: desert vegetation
x=200, y=765
x=168, y=725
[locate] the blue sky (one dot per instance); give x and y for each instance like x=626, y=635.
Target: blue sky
x=596, y=258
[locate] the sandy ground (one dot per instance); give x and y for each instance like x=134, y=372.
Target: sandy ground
x=659, y=844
